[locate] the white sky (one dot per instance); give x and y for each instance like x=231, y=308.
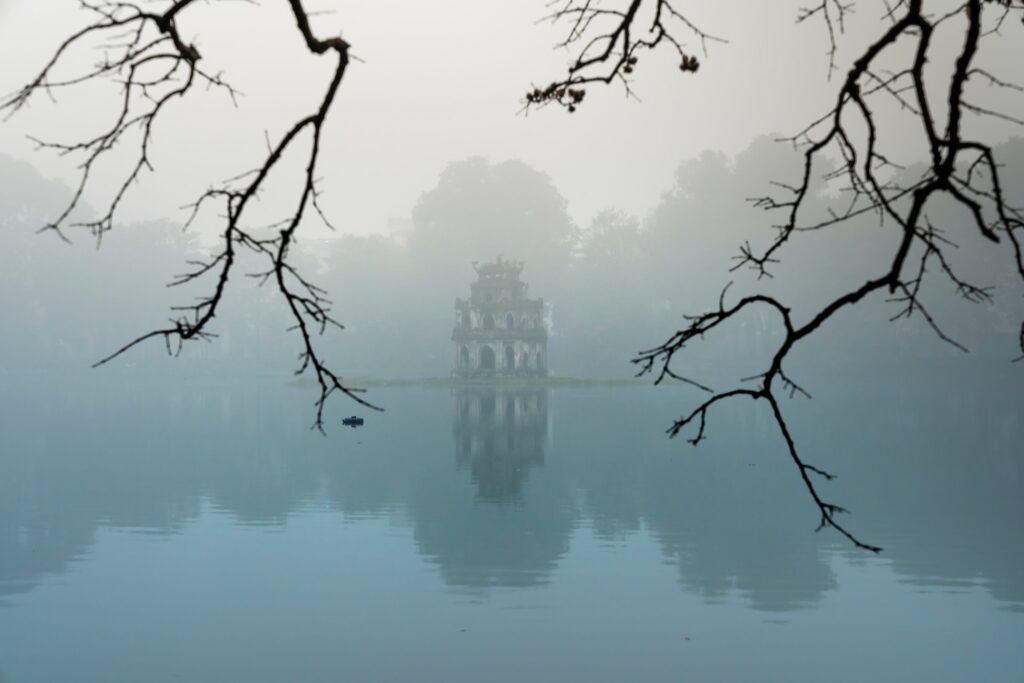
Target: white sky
x=441, y=81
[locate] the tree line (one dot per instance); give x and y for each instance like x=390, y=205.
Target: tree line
x=613, y=286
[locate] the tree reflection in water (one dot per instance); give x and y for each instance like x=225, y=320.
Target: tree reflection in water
x=507, y=530
x=499, y=435
x=492, y=496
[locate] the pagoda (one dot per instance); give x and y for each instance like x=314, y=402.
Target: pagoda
x=499, y=332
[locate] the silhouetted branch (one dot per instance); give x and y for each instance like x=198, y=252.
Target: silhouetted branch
x=146, y=54
x=833, y=13
x=606, y=42
x=959, y=168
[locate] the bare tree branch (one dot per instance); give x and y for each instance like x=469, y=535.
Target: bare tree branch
x=146, y=54
x=962, y=169
x=607, y=43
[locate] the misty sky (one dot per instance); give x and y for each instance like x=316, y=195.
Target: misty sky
x=440, y=81
x=174, y=518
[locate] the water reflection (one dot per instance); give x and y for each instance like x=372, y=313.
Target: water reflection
x=727, y=514
x=499, y=435
x=511, y=530
x=492, y=498
x=951, y=504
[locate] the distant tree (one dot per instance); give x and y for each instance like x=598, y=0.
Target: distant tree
x=708, y=205
x=59, y=318
x=155, y=64
x=609, y=301
x=612, y=240
x=480, y=210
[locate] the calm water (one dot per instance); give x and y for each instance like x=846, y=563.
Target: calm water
x=191, y=530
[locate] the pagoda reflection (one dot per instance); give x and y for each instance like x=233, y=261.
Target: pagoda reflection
x=500, y=433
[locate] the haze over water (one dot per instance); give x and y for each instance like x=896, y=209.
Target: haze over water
x=171, y=517
x=159, y=529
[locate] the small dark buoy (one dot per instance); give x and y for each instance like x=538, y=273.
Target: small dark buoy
x=352, y=421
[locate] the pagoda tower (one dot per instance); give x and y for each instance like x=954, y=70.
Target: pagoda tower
x=499, y=332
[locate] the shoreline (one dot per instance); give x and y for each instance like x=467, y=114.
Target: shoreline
x=496, y=382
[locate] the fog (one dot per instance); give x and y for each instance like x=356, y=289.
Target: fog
x=444, y=81
x=626, y=213
x=613, y=287
x=170, y=516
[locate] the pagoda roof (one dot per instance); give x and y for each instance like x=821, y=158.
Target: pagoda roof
x=499, y=266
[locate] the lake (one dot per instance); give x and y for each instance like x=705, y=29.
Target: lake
x=156, y=529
